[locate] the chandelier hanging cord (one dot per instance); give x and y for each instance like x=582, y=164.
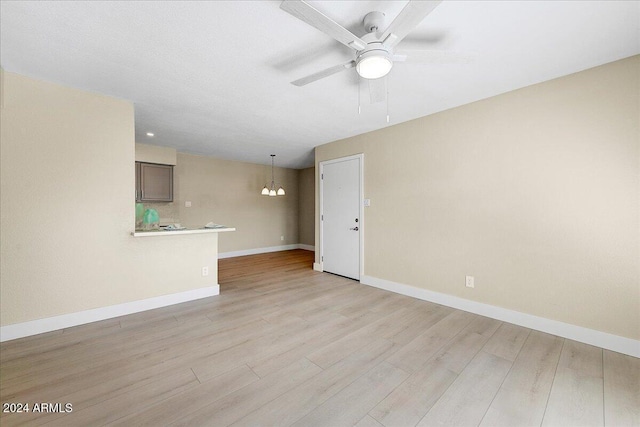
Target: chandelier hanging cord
x=272, y=179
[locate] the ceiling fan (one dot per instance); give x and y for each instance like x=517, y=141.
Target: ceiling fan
x=374, y=52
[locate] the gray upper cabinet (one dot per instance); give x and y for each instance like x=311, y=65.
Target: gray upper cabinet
x=154, y=182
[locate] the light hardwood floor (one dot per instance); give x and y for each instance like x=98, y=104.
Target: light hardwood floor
x=285, y=345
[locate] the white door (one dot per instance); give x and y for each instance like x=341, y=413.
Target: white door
x=340, y=217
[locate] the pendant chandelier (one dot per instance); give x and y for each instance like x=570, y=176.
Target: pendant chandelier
x=270, y=190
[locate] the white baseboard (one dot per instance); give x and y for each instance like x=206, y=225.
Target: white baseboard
x=34, y=327
x=317, y=267
x=264, y=250
x=577, y=333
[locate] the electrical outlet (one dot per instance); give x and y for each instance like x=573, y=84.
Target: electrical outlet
x=282, y=238
x=469, y=282
x=205, y=271
x=187, y=204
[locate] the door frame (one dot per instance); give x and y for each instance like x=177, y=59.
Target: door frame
x=360, y=158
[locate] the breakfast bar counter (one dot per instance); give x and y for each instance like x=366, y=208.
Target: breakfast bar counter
x=163, y=232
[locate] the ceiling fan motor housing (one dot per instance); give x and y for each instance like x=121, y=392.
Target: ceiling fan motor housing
x=375, y=60
x=373, y=22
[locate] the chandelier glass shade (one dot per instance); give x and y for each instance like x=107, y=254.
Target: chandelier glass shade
x=270, y=188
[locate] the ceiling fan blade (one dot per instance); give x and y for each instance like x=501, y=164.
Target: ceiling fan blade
x=412, y=14
x=437, y=56
x=425, y=37
x=378, y=90
x=324, y=73
x=317, y=19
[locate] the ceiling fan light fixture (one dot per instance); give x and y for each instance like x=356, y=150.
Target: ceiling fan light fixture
x=374, y=64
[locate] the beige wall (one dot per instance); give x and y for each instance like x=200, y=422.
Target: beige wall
x=534, y=192
x=228, y=192
x=155, y=154
x=67, y=209
x=307, y=206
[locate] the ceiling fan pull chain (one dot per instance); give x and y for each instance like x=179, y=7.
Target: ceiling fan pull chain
x=359, y=90
x=387, y=87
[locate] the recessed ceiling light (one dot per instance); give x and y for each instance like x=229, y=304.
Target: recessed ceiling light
x=149, y=133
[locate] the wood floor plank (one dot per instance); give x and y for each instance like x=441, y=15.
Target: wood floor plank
x=405, y=323
x=467, y=400
x=49, y=361
x=289, y=335
x=16, y=349
x=234, y=406
x=576, y=400
x=368, y=421
x=407, y=319
x=264, y=365
x=352, y=403
x=339, y=349
x=301, y=400
x=425, y=317
x=523, y=396
x=78, y=353
x=410, y=401
x=457, y=353
x=169, y=352
x=621, y=389
x=414, y=398
x=370, y=298
x=580, y=357
x=119, y=406
x=132, y=385
x=172, y=410
x=507, y=341
x=577, y=393
x=104, y=401
x=413, y=356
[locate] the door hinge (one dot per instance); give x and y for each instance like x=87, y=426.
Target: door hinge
x=321, y=217
x=321, y=176
x=322, y=258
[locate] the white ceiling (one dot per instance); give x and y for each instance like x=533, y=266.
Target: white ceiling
x=213, y=77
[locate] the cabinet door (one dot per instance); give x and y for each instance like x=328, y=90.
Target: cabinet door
x=156, y=183
x=138, y=192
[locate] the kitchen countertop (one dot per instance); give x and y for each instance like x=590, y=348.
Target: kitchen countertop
x=162, y=232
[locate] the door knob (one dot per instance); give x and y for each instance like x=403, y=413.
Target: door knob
x=354, y=229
